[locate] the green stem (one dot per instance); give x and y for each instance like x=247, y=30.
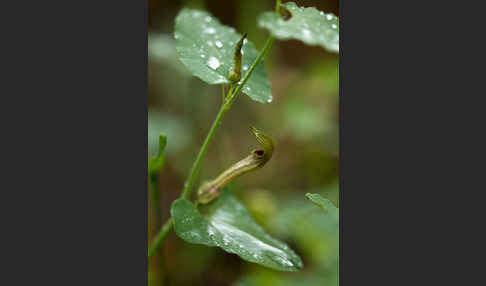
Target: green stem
x=222, y=93
x=159, y=238
x=155, y=192
x=195, y=167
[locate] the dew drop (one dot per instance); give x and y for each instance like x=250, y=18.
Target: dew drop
x=213, y=63
x=321, y=13
x=333, y=26
x=269, y=100
x=286, y=262
x=245, y=68
x=329, y=17
x=203, y=56
x=307, y=33
x=225, y=240
x=219, y=44
x=210, y=30
x=207, y=19
x=209, y=43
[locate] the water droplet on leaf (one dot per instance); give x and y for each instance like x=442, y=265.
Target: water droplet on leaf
x=213, y=63
x=306, y=33
x=210, y=30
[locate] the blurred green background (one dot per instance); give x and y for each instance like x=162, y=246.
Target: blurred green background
x=302, y=120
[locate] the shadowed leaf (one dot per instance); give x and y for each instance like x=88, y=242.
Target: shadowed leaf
x=309, y=25
x=226, y=223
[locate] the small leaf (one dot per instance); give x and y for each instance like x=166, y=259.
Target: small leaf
x=226, y=223
x=156, y=163
x=207, y=49
x=309, y=25
x=319, y=201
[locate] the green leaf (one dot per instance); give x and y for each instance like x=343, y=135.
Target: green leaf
x=309, y=25
x=156, y=163
x=226, y=223
x=315, y=234
x=174, y=126
x=276, y=279
x=319, y=201
x=206, y=48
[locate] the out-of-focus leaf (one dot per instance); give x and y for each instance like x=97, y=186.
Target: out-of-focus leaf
x=161, y=49
x=207, y=49
x=175, y=128
x=315, y=234
x=309, y=25
x=156, y=163
x=299, y=117
x=319, y=201
x=226, y=223
x=276, y=279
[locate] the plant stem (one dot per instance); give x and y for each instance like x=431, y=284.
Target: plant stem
x=159, y=238
x=197, y=163
x=155, y=198
x=222, y=93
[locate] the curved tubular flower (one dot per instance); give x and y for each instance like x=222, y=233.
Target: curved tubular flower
x=257, y=159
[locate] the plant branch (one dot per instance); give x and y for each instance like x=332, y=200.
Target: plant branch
x=159, y=238
x=230, y=98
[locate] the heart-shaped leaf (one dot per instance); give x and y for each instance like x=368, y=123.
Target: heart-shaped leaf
x=207, y=49
x=226, y=223
x=309, y=25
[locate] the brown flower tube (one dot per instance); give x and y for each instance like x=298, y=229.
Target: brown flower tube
x=257, y=158
x=235, y=74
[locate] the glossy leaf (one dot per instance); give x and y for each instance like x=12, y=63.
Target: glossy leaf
x=226, y=223
x=319, y=201
x=156, y=163
x=308, y=25
x=207, y=48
